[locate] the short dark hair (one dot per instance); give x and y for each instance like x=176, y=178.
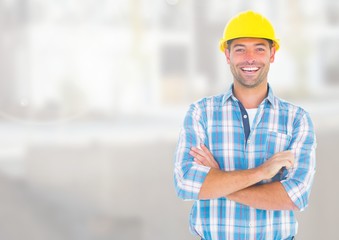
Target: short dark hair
x=229, y=42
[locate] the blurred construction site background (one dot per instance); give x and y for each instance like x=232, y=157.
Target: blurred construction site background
x=93, y=94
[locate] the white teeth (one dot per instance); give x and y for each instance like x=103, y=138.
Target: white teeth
x=250, y=69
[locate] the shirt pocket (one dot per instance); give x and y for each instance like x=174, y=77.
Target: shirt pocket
x=277, y=142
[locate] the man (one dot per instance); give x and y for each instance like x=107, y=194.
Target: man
x=246, y=157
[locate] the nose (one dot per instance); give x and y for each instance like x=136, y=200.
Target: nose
x=249, y=57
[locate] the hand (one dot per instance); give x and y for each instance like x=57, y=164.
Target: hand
x=273, y=165
x=203, y=156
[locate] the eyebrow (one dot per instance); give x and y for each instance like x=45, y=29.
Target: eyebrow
x=243, y=45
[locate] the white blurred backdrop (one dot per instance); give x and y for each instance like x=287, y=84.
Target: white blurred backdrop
x=93, y=93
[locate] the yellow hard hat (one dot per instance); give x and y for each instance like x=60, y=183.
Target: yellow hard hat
x=248, y=24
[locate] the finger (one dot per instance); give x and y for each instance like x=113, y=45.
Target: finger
x=209, y=156
x=195, y=151
x=288, y=163
x=198, y=161
x=206, y=163
x=202, y=159
x=284, y=154
x=206, y=150
x=291, y=163
x=200, y=152
x=211, y=159
x=192, y=153
x=215, y=164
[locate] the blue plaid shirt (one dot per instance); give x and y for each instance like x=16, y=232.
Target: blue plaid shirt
x=217, y=122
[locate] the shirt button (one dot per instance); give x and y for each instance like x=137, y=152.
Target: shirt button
x=248, y=141
x=245, y=116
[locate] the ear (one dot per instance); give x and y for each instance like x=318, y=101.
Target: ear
x=228, y=56
x=272, y=54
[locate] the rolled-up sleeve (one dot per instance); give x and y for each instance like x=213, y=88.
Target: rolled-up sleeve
x=189, y=176
x=300, y=179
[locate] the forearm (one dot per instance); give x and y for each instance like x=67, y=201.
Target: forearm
x=220, y=183
x=270, y=196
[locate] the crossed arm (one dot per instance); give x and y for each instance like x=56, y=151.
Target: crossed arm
x=239, y=185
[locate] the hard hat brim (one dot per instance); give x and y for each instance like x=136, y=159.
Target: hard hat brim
x=223, y=45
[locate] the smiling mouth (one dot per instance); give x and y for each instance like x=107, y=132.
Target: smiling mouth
x=249, y=69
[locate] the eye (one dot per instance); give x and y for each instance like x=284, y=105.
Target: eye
x=261, y=49
x=239, y=50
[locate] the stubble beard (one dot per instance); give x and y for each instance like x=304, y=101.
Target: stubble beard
x=249, y=83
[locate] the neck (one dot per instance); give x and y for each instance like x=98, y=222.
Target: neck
x=250, y=97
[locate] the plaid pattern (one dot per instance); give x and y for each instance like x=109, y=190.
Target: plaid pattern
x=216, y=122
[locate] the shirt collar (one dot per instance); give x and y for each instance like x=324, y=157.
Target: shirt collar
x=270, y=96
x=230, y=96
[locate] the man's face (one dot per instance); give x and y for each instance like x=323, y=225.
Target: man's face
x=249, y=60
